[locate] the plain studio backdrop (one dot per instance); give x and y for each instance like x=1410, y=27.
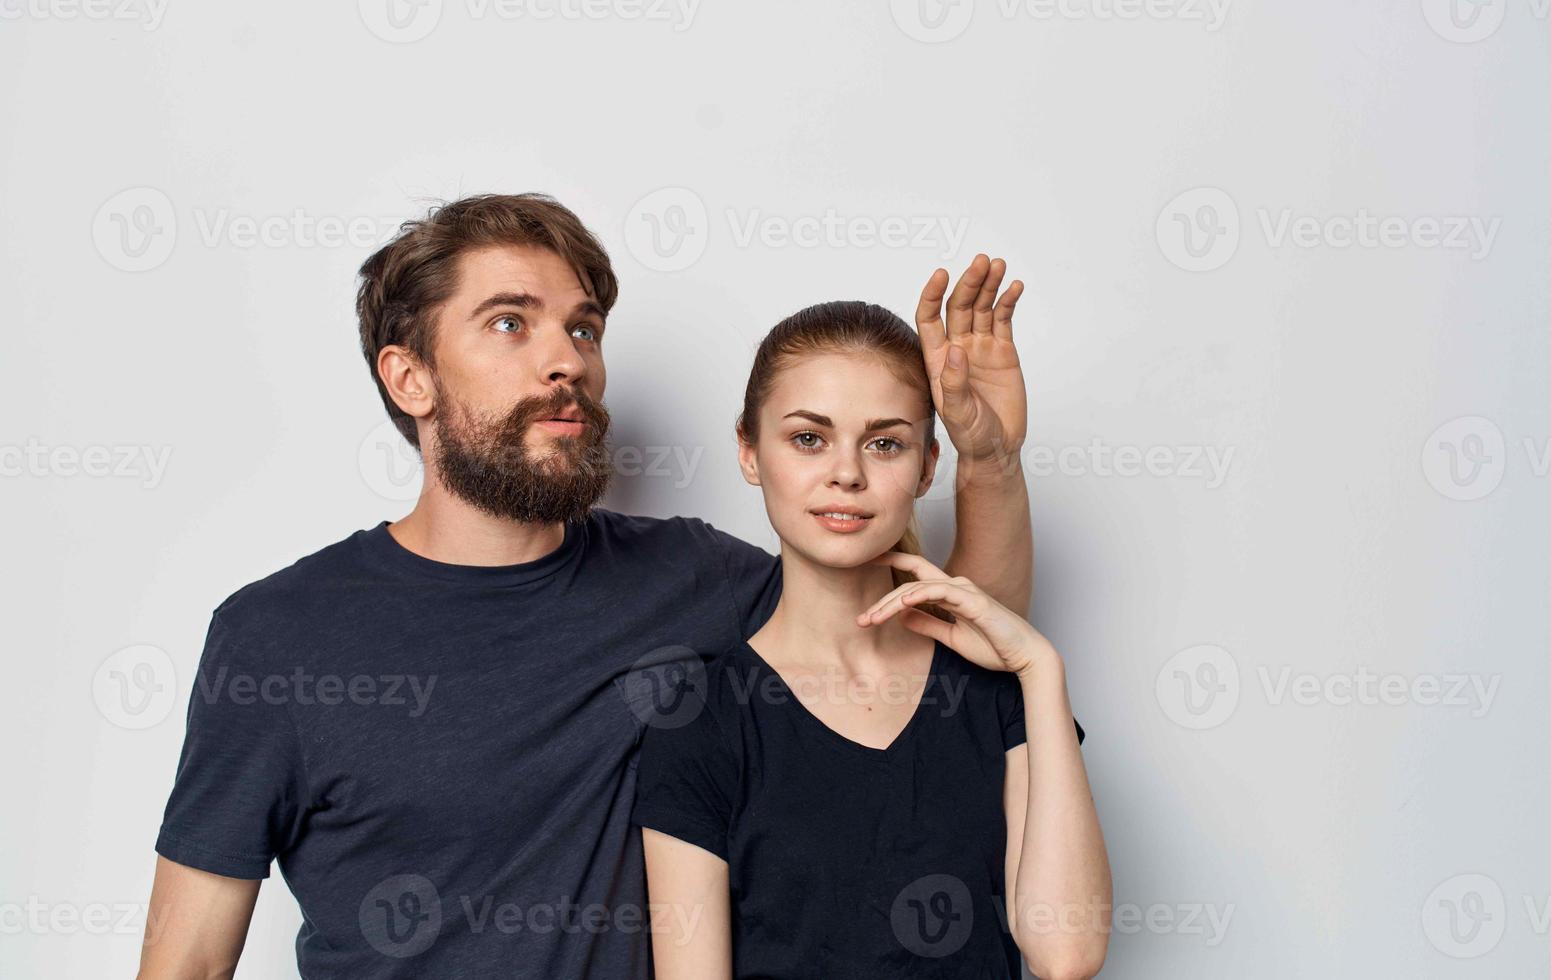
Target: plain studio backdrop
x=1285, y=340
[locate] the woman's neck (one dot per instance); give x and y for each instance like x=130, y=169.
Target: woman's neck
x=814, y=624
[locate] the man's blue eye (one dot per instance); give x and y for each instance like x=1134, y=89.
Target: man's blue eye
x=515, y=324
x=591, y=334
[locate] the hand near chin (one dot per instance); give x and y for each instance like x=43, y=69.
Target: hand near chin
x=986, y=632
x=977, y=381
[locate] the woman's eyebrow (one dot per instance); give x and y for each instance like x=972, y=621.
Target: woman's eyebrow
x=825, y=420
x=814, y=417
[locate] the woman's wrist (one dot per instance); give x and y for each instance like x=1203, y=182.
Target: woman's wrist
x=1043, y=664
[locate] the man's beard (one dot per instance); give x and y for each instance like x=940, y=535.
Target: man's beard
x=486, y=462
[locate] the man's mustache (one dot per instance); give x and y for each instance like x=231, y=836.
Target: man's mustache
x=530, y=410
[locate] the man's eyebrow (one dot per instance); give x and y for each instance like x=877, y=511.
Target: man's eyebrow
x=825, y=420
x=590, y=308
x=522, y=301
x=527, y=301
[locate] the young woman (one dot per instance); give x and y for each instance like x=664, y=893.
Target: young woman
x=885, y=780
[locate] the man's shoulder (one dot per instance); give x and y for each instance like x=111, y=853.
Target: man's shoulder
x=304, y=582
x=655, y=533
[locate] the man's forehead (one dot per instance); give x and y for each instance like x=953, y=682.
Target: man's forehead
x=518, y=269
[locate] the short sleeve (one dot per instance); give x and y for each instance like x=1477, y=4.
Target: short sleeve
x=239, y=795
x=686, y=780
x=1009, y=707
x=755, y=577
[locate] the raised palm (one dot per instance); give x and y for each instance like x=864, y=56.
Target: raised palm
x=981, y=399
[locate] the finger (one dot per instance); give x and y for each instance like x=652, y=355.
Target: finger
x=869, y=617
x=914, y=564
x=928, y=625
x=961, y=304
x=958, y=407
x=985, y=300
x=950, y=594
x=929, y=312
x=1001, y=325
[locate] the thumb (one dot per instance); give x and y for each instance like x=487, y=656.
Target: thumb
x=955, y=380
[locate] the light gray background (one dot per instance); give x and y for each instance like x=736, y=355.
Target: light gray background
x=185, y=409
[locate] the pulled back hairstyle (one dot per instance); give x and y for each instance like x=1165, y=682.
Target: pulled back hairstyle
x=842, y=327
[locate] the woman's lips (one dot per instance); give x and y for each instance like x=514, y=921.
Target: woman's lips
x=843, y=526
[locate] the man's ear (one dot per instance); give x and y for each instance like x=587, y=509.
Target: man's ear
x=746, y=460
x=929, y=469
x=408, y=380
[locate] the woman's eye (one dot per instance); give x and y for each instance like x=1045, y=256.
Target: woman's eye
x=888, y=444
x=507, y=324
x=802, y=439
x=585, y=332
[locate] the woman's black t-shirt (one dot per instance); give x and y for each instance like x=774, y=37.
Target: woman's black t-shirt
x=844, y=860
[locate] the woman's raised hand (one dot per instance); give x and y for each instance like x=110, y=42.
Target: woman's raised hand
x=986, y=633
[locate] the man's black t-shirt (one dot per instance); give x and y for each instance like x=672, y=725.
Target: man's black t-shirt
x=845, y=860
x=443, y=757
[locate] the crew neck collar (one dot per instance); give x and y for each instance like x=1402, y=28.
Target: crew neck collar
x=380, y=546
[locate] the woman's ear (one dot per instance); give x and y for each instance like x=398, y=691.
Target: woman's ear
x=747, y=461
x=929, y=469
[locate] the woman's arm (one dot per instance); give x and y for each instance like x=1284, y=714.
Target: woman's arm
x=1058, y=880
x=691, y=910
x=1058, y=885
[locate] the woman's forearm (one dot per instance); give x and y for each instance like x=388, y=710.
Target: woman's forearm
x=1062, y=894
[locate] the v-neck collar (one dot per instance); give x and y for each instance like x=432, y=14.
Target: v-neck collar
x=829, y=733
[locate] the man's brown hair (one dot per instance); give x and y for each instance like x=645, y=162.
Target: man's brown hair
x=405, y=282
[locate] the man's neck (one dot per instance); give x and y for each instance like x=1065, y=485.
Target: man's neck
x=448, y=529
